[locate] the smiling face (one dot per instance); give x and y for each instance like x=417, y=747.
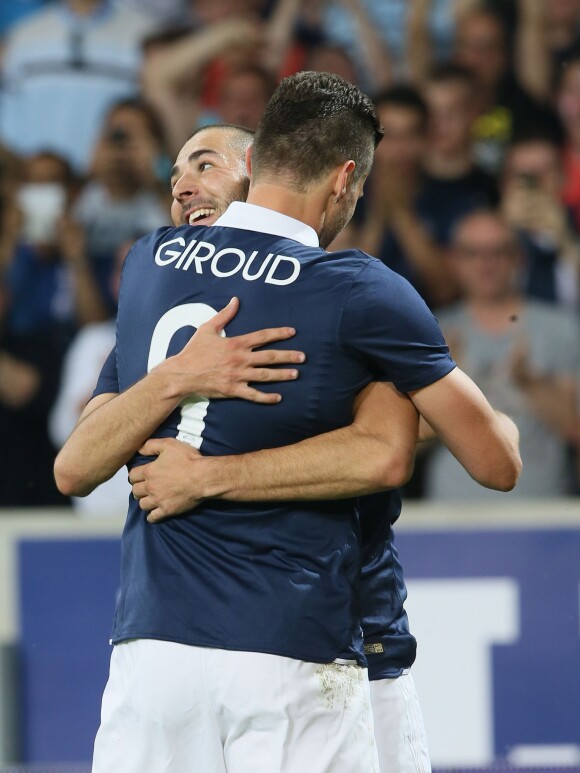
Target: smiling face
x=209, y=173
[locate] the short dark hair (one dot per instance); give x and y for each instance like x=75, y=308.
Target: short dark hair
x=404, y=97
x=241, y=137
x=314, y=121
x=229, y=126
x=539, y=132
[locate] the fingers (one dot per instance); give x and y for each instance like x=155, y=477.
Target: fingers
x=154, y=446
x=265, y=375
x=266, y=336
x=157, y=515
x=223, y=317
x=139, y=491
x=137, y=474
x=255, y=396
x=276, y=357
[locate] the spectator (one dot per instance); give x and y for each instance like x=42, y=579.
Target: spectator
x=195, y=76
x=46, y=271
x=165, y=12
x=503, y=108
x=522, y=353
x=123, y=196
x=243, y=96
x=80, y=372
x=413, y=33
x=547, y=37
x=562, y=31
x=29, y=373
x=78, y=54
x=409, y=218
x=532, y=204
x=449, y=94
x=364, y=45
x=177, y=64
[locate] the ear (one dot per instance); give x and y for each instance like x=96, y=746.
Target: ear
x=343, y=178
x=249, y=161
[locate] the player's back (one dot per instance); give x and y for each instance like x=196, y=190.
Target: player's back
x=274, y=578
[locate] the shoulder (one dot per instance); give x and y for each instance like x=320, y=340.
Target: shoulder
x=368, y=269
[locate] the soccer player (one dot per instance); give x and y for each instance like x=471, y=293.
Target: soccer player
x=295, y=549
x=180, y=478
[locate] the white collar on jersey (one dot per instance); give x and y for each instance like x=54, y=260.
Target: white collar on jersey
x=251, y=217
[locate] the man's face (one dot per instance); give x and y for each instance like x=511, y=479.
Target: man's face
x=243, y=100
x=535, y=164
x=403, y=143
x=480, y=46
x=450, y=115
x=209, y=173
x=485, y=258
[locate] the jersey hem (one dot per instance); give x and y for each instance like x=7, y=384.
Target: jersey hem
x=356, y=657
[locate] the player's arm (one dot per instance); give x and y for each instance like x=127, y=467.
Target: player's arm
x=113, y=426
x=388, y=321
x=374, y=453
x=484, y=441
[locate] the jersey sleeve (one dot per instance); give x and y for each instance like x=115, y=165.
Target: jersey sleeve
x=108, y=381
x=389, y=328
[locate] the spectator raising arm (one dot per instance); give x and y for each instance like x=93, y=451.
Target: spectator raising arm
x=419, y=43
x=532, y=56
x=171, y=74
x=373, y=51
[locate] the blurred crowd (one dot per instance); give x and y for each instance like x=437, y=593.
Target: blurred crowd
x=474, y=195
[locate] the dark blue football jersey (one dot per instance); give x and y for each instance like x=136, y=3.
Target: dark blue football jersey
x=388, y=643
x=270, y=577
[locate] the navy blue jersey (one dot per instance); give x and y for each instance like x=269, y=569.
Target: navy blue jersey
x=270, y=577
x=388, y=644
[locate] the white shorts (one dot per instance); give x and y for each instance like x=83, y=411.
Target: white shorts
x=399, y=728
x=182, y=709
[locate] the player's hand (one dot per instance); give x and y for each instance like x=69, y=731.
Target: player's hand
x=217, y=366
x=171, y=484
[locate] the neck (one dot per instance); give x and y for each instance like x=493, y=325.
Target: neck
x=308, y=207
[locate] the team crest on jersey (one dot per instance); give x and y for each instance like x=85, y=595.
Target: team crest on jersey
x=374, y=648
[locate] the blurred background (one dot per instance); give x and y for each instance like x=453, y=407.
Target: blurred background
x=474, y=197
